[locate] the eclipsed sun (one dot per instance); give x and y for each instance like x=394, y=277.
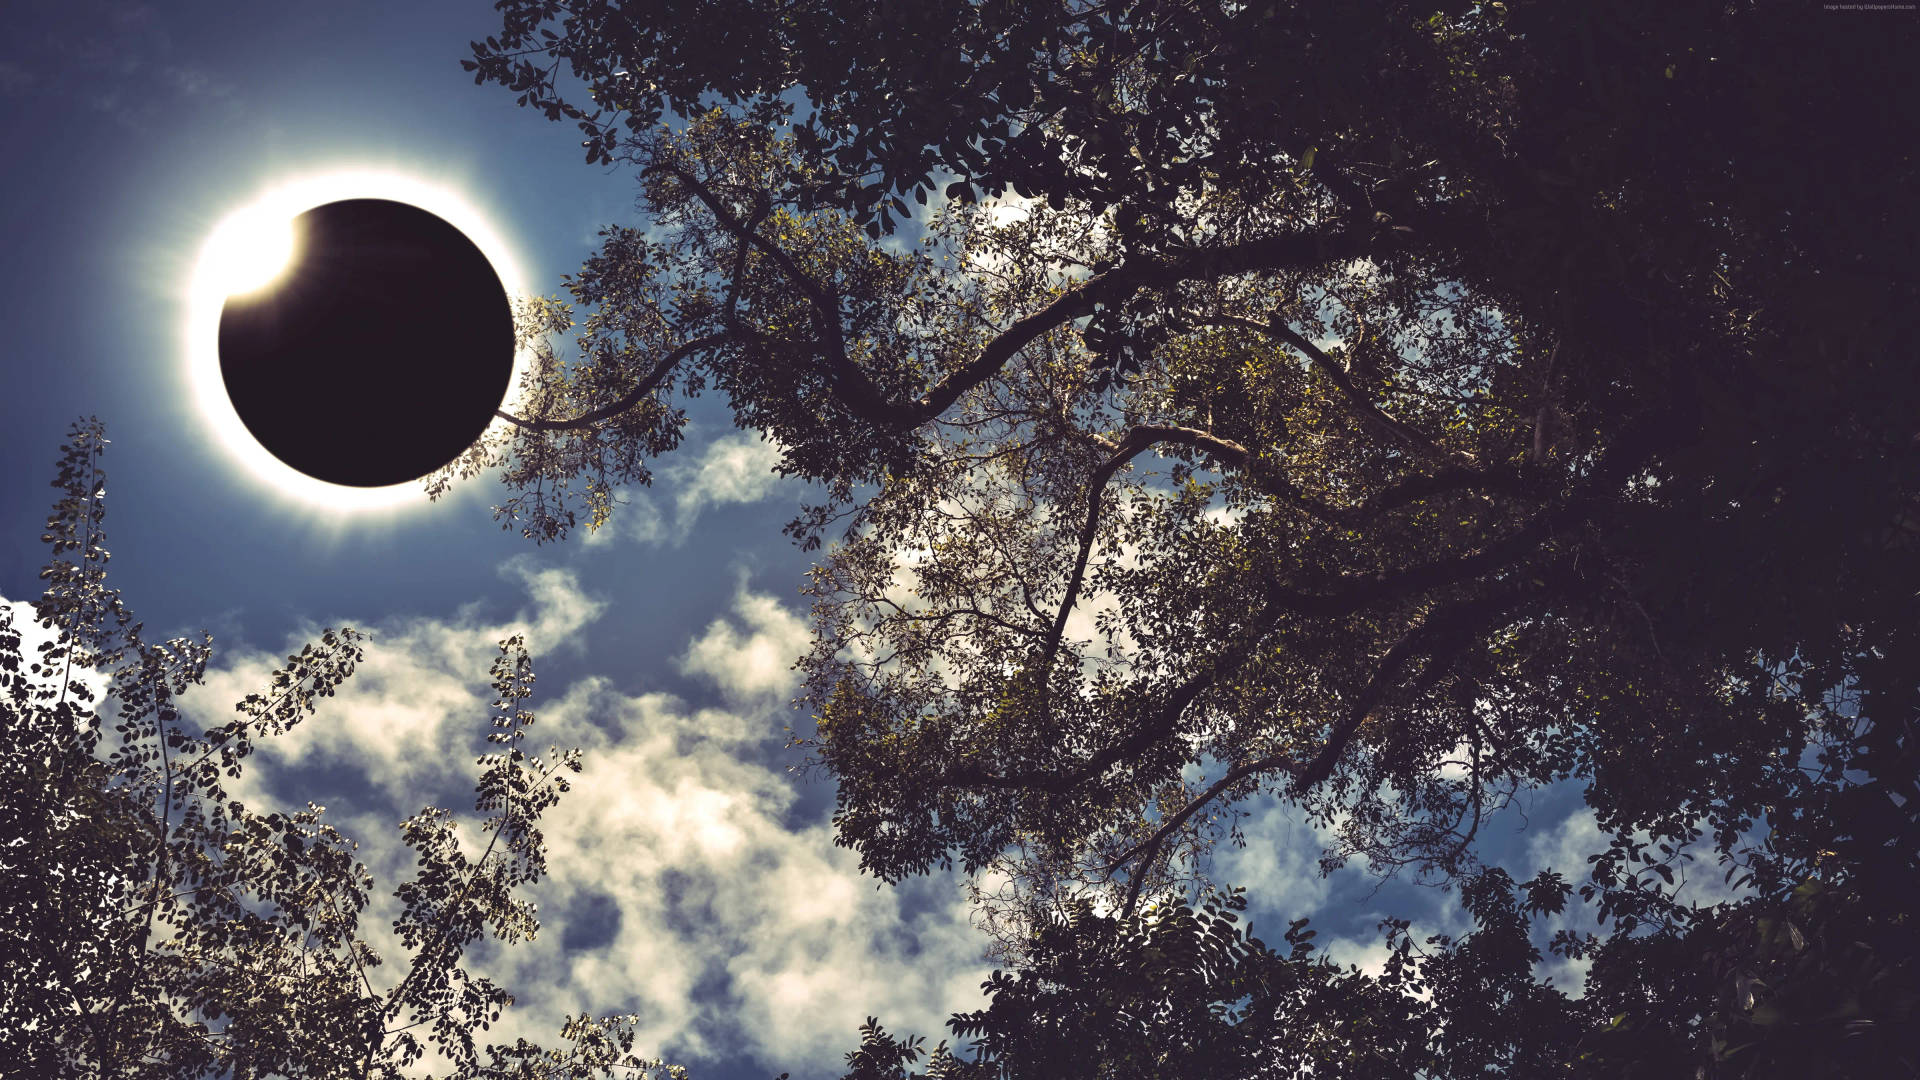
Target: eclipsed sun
x=351, y=333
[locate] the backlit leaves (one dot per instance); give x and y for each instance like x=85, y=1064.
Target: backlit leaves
x=153, y=926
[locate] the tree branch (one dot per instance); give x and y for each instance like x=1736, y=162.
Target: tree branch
x=1267, y=253
x=627, y=400
x=1452, y=623
x=856, y=390
x=1165, y=720
x=1353, y=593
x=1401, y=493
x=1455, y=623
x=1131, y=445
x=1149, y=850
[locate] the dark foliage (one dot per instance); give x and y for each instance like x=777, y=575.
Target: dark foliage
x=1388, y=407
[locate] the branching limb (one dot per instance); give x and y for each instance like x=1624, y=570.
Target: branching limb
x=1354, y=593
x=1149, y=849
x=627, y=400
x=855, y=389
x=1455, y=623
x=1165, y=721
x=1130, y=446
x=1413, y=489
x=1449, y=624
x=1288, y=250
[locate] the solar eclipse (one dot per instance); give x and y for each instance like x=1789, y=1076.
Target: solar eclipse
x=351, y=334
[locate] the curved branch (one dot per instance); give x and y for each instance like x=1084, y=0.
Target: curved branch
x=1137, y=440
x=1149, y=850
x=1452, y=624
x=866, y=400
x=1355, y=592
x=1449, y=624
x=1512, y=481
x=857, y=391
x=1131, y=445
x=1165, y=721
x=627, y=400
x=1268, y=253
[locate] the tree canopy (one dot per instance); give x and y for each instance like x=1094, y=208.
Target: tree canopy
x=1387, y=407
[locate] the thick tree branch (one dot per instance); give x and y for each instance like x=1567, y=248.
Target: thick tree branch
x=866, y=400
x=1165, y=721
x=1454, y=624
x=855, y=389
x=1355, y=592
x=1268, y=253
x=1130, y=446
x=1142, y=437
x=1401, y=493
x=1370, y=413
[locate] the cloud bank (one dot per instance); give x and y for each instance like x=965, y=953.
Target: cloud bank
x=681, y=886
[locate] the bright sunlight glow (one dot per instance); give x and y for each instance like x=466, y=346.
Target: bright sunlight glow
x=248, y=250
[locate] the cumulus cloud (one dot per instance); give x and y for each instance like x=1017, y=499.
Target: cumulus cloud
x=34, y=639
x=1565, y=847
x=680, y=886
x=421, y=691
x=686, y=838
x=755, y=665
x=736, y=468
x=1280, y=869
x=1280, y=865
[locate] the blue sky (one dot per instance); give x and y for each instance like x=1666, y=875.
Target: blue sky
x=694, y=878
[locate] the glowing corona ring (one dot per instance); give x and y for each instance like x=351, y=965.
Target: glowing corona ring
x=249, y=250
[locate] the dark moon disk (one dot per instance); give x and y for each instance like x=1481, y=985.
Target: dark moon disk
x=379, y=355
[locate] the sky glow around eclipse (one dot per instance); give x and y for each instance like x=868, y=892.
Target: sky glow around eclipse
x=251, y=249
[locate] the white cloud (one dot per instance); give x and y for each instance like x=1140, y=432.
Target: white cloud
x=726, y=926
x=33, y=638
x=1566, y=846
x=638, y=517
x=1279, y=867
x=757, y=664
x=736, y=468
x=421, y=690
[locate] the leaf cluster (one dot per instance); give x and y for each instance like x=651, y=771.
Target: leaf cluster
x=153, y=925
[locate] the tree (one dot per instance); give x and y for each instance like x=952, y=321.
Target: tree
x=1386, y=407
x=154, y=926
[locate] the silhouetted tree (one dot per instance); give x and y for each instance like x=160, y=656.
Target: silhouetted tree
x=151, y=925
x=1386, y=406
